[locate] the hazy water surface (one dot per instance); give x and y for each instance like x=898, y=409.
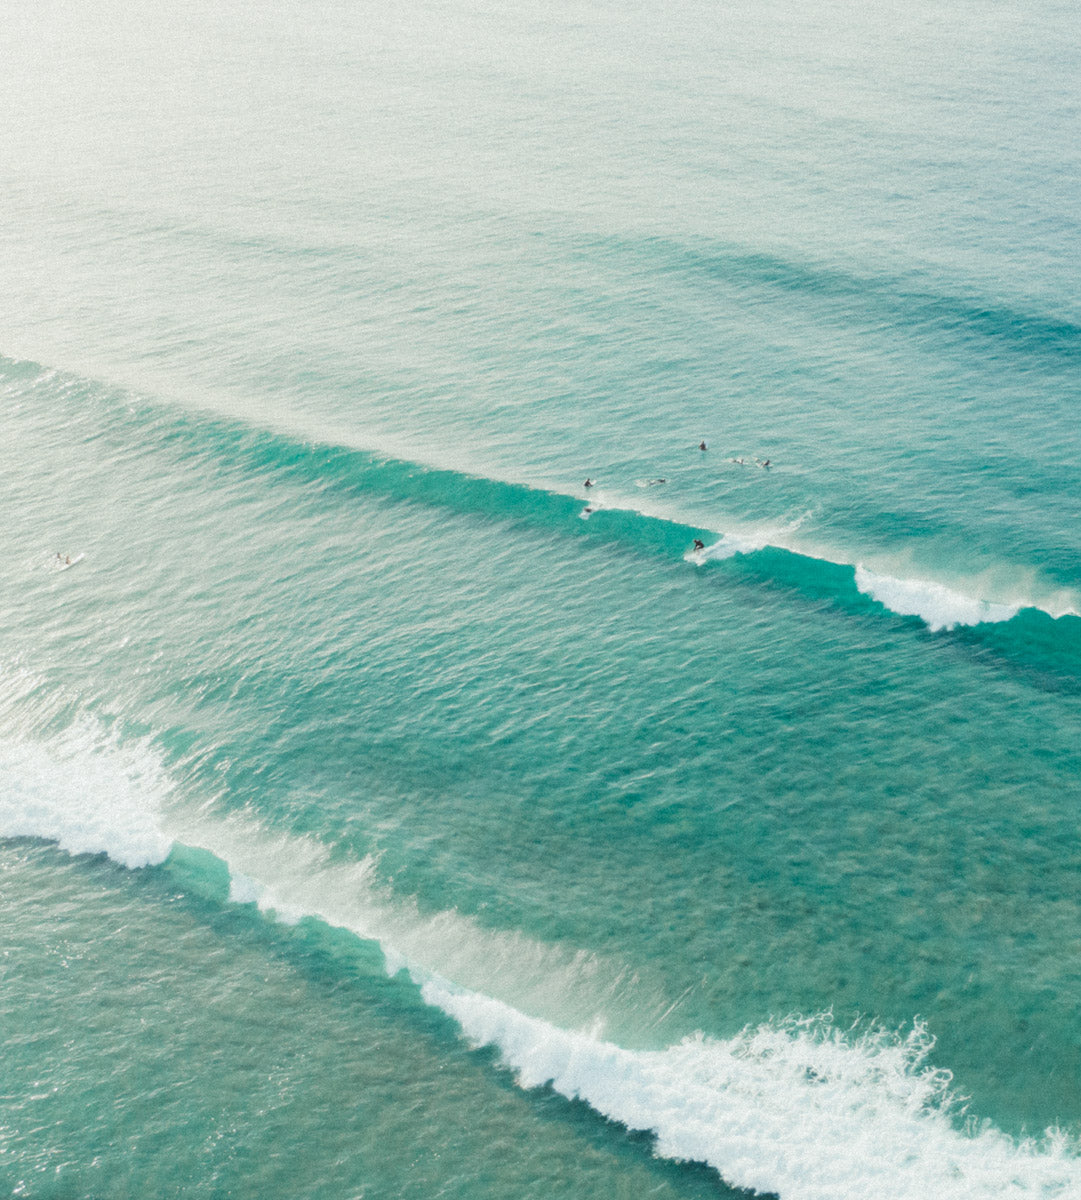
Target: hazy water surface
x=385, y=813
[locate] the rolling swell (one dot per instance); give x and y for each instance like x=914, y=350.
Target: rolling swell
x=794, y=1107
x=1025, y=636
x=886, y=299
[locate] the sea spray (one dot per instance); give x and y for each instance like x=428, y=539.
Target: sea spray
x=938, y=606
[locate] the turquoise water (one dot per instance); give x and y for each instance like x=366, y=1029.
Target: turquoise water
x=386, y=813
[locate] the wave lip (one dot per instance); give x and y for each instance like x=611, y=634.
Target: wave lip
x=936, y=605
x=730, y=545
x=86, y=793
x=791, y=1108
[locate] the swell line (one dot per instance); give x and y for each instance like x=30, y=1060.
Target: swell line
x=1025, y=633
x=888, y=299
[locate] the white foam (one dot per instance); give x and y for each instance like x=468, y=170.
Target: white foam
x=597, y=502
x=935, y=604
x=791, y=1108
x=729, y=545
x=747, y=541
x=81, y=789
x=243, y=890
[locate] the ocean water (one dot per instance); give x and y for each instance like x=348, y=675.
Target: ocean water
x=384, y=812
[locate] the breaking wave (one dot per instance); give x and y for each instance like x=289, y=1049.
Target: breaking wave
x=936, y=605
x=796, y=1107
x=770, y=553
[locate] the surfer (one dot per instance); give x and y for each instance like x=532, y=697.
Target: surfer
x=701, y=445
x=699, y=545
x=588, y=483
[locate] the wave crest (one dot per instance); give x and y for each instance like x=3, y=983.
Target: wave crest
x=792, y=1107
x=935, y=604
x=81, y=789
